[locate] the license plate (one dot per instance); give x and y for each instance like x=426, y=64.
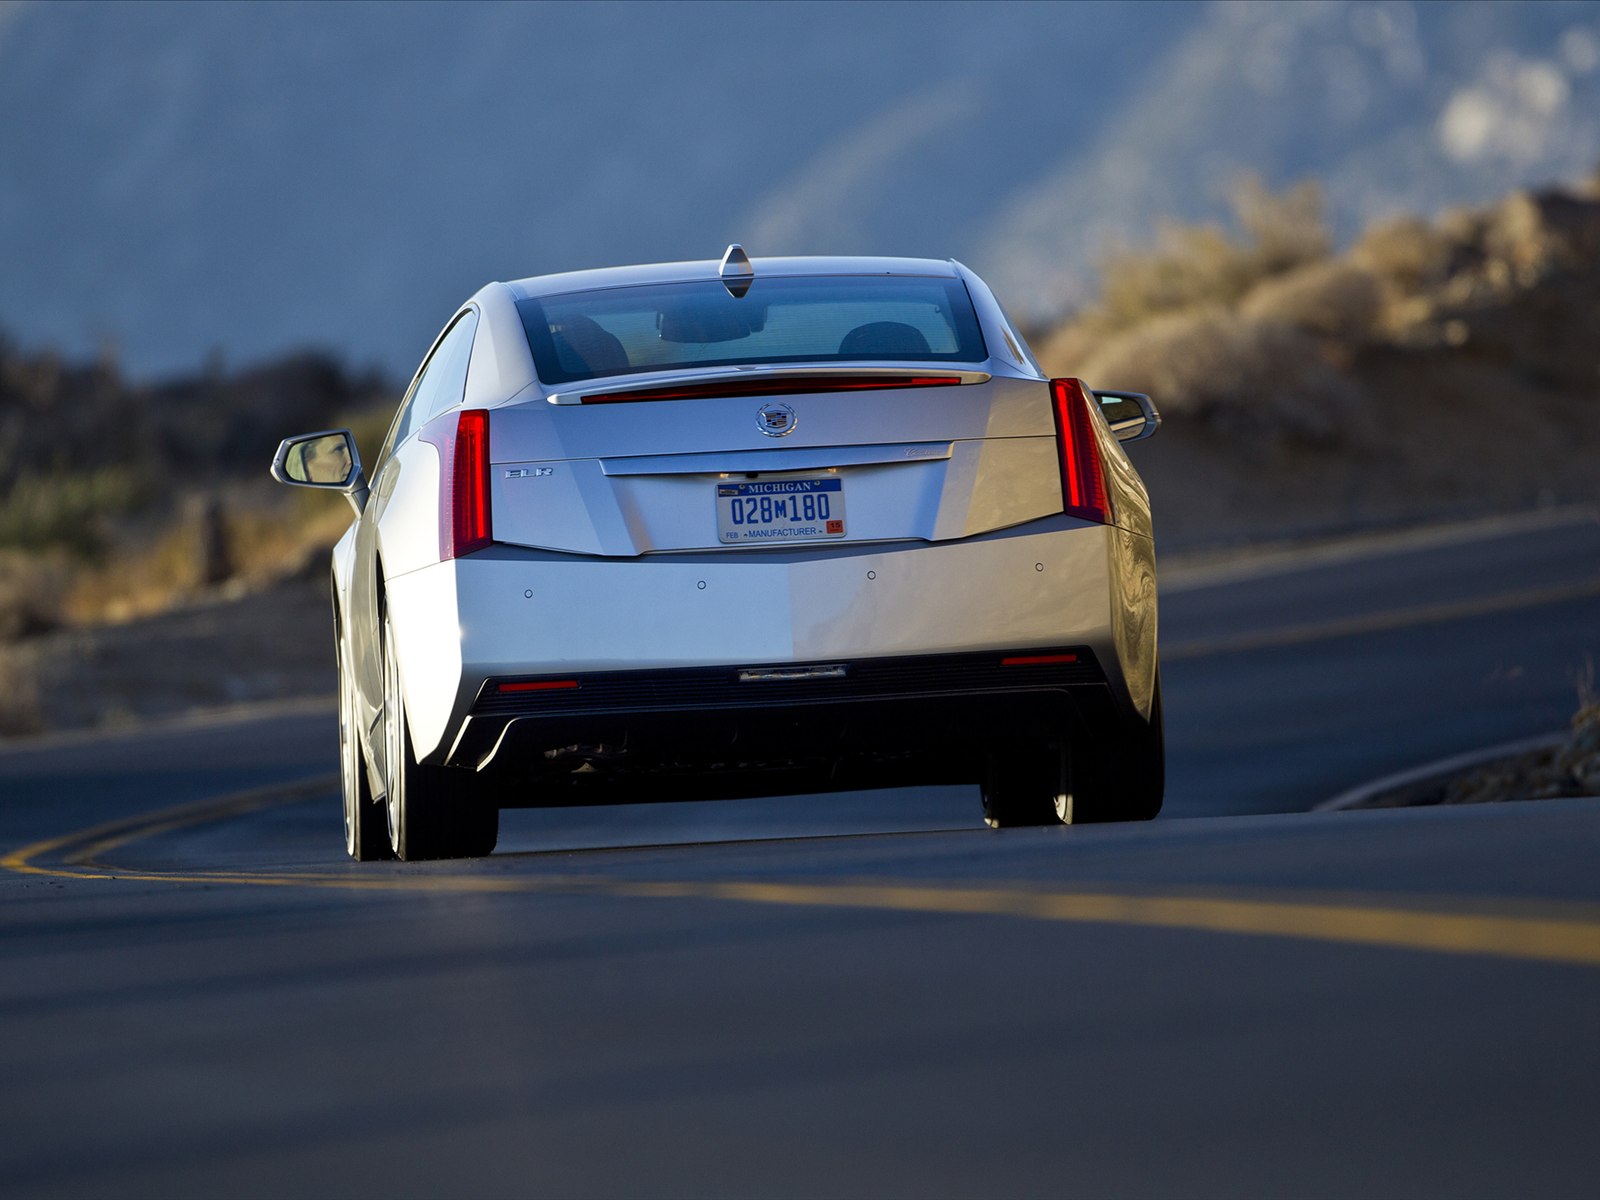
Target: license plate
x=780, y=510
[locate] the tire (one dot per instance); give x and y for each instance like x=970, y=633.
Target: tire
x=366, y=836
x=1025, y=784
x=1124, y=779
x=433, y=812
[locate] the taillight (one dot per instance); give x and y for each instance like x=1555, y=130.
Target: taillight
x=464, y=524
x=1083, y=477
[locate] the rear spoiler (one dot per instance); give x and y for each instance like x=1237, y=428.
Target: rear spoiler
x=763, y=381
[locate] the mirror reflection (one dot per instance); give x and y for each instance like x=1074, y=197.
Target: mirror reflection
x=1118, y=408
x=320, y=460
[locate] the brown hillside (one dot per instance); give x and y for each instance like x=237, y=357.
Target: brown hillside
x=1438, y=368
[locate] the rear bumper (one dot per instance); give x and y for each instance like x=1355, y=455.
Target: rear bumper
x=621, y=623
x=840, y=712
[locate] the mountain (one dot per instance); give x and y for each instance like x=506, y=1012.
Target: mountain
x=180, y=181
x=1394, y=108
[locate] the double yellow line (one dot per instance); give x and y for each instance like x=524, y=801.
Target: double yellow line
x=79, y=851
x=1571, y=937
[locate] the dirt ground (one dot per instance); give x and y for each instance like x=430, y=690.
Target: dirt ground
x=1481, y=454
x=221, y=651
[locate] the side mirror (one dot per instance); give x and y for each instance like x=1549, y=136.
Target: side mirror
x=1131, y=415
x=323, y=460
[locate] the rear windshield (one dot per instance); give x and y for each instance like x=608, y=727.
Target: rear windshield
x=781, y=319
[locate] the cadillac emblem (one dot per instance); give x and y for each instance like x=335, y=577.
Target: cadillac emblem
x=775, y=420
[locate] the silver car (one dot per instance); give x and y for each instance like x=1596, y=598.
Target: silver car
x=737, y=528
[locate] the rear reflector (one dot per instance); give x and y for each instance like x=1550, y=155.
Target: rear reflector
x=788, y=386
x=464, y=524
x=1083, y=481
x=1035, y=660
x=542, y=685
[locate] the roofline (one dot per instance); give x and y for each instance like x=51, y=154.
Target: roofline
x=706, y=270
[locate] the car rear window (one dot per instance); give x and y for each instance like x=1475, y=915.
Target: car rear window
x=781, y=319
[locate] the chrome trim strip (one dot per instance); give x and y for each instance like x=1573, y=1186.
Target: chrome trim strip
x=778, y=458
x=789, y=674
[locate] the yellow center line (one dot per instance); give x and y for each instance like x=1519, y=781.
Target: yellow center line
x=1542, y=939
x=1539, y=938
x=85, y=844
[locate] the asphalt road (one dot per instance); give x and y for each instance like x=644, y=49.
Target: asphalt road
x=867, y=994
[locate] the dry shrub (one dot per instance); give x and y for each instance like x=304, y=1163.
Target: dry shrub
x=1189, y=266
x=1535, y=232
x=1231, y=371
x=1064, y=351
x=1579, y=757
x=370, y=426
x=147, y=575
x=1571, y=768
x=31, y=591
x=135, y=582
x=1225, y=328
x=20, y=709
x=246, y=543
x=67, y=509
x=268, y=544
x=1333, y=299
x=1407, y=251
x=1285, y=228
x=1196, y=265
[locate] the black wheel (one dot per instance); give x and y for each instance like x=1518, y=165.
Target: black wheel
x=433, y=812
x=1025, y=784
x=1123, y=779
x=366, y=836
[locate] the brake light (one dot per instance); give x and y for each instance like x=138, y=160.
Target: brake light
x=792, y=385
x=464, y=524
x=1083, y=479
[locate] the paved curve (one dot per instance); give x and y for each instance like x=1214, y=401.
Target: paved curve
x=806, y=997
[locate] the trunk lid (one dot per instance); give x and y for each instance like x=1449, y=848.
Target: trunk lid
x=582, y=473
